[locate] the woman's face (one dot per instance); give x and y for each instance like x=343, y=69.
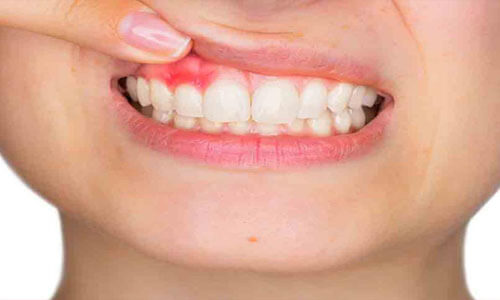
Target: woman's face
x=436, y=162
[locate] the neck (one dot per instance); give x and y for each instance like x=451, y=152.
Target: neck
x=99, y=267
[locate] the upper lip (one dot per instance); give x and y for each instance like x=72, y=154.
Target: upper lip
x=276, y=53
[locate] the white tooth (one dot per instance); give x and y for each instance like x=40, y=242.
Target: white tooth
x=239, y=128
x=296, y=127
x=188, y=101
x=275, y=102
x=342, y=121
x=370, y=97
x=184, y=122
x=132, y=88
x=143, y=92
x=267, y=129
x=226, y=101
x=358, y=118
x=357, y=97
x=162, y=116
x=339, y=97
x=210, y=127
x=313, y=100
x=321, y=126
x=161, y=96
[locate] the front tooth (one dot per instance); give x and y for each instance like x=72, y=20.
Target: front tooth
x=342, y=122
x=143, y=93
x=209, y=126
x=313, y=100
x=183, y=122
x=370, y=97
x=321, y=126
x=188, y=101
x=162, y=116
x=226, y=101
x=275, y=102
x=161, y=96
x=357, y=97
x=132, y=88
x=239, y=128
x=296, y=127
x=339, y=97
x=358, y=118
x=267, y=129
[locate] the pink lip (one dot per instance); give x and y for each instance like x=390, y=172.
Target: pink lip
x=250, y=151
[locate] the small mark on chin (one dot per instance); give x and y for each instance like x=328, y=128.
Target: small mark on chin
x=252, y=239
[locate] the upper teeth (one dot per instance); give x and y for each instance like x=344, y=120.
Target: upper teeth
x=275, y=102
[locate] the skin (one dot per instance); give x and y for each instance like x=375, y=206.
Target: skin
x=138, y=224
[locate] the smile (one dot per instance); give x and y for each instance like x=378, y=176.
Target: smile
x=223, y=116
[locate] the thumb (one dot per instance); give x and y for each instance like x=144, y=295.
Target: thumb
x=123, y=28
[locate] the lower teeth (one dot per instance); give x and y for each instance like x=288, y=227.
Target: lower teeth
x=347, y=121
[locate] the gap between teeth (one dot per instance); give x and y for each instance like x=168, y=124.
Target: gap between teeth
x=275, y=107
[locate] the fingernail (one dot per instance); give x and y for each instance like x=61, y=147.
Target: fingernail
x=149, y=32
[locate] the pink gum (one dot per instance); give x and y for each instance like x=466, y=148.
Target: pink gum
x=201, y=73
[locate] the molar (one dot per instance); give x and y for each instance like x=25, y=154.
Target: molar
x=188, y=101
x=370, y=97
x=358, y=118
x=132, y=88
x=313, y=100
x=143, y=92
x=357, y=97
x=226, y=101
x=275, y=102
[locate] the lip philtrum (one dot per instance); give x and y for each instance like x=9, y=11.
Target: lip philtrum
x=244, y=150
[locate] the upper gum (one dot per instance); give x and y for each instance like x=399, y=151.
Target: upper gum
x=200, y=73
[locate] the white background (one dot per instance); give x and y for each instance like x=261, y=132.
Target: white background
x=30, y=245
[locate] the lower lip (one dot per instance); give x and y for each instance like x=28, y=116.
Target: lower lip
x=250, y=151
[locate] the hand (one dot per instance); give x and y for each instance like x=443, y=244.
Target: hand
x=122, y=28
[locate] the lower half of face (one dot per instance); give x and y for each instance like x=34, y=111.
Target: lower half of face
x=233, y=166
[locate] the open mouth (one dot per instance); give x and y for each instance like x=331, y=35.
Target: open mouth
x=225, y=116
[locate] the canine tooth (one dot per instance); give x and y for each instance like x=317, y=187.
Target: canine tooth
x=267, y=129
x=313, y=100
x=162, y=116
x=239, y=128
x=275, y=102
x=143, y=92
x=339, y=97
x=188, y=101
x=321, y=126
x=209, y=126
x=132, y=88
x=358, y=118
x=226, y=101
x=342, y=121
x=357, y=97
x=183, y=122
x=370, y=97
x=161, y=96
x=296, y=126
